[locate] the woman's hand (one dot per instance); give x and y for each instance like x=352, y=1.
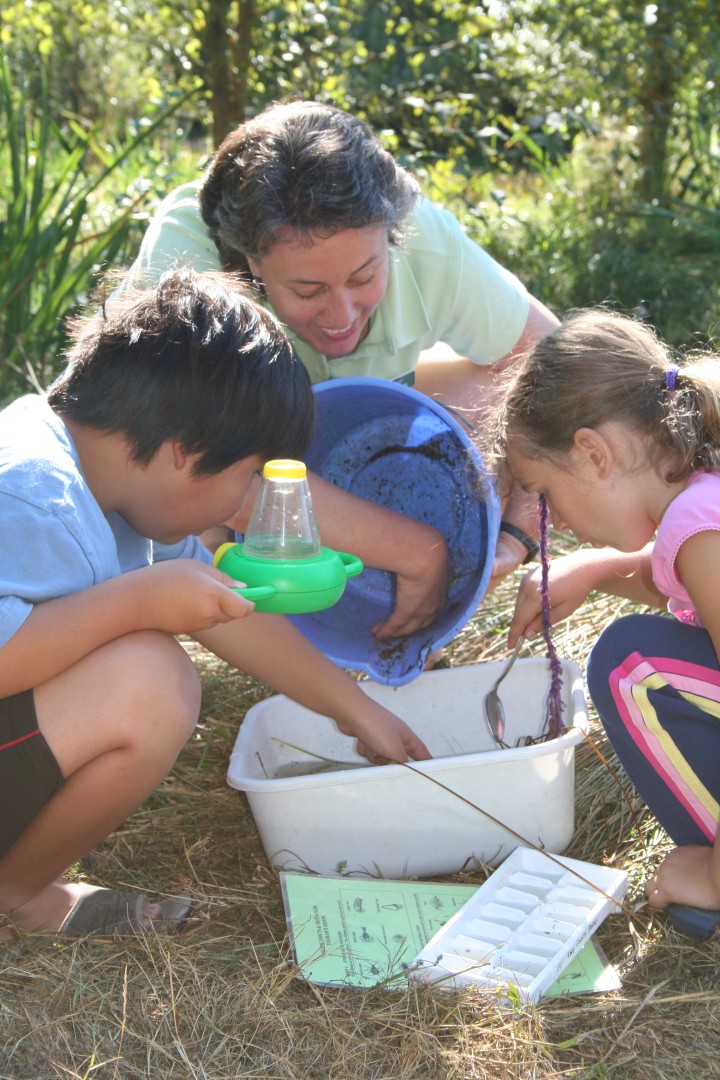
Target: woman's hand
x=387, y=540
x=509, y=554
x=421, y=591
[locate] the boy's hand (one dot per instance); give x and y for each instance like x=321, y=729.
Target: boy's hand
x=274, y=651
x=386, y=739
x=184, y=596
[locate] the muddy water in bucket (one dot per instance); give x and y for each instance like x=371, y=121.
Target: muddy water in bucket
x=387, y=820
x=311, y=767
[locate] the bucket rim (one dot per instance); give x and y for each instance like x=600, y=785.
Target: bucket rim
x=438, y=765
x=448, y=414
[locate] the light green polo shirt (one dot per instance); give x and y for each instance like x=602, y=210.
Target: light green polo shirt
x=441, y=287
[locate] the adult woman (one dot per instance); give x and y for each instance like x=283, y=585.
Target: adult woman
x=369, y=279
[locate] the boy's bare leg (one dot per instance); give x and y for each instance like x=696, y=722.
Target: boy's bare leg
x=115, y=722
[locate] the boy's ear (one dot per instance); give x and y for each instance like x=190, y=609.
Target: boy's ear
x=179, y=455
x=592, y=449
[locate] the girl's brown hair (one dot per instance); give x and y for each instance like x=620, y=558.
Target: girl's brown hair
x=598, y=367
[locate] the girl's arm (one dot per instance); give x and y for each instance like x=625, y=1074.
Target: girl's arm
x=698, y=567
x=271, y=649
x=573, y=577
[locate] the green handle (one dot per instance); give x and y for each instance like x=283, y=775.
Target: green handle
x=353, y=565
x=257, y=592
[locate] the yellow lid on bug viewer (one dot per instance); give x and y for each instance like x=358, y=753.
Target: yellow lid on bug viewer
x=284, y=469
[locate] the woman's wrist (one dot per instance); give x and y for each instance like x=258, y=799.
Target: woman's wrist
x=531, y=545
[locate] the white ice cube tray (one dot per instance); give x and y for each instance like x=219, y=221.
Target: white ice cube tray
x=522, y=926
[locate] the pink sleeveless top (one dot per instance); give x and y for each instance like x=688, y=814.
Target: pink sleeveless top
x=694, y=510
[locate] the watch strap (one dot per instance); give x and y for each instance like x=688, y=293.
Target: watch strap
x=531, y=546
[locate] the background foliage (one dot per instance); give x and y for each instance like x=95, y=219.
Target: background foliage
x=578, y=144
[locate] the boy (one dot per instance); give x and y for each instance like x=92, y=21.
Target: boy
x=170, y=404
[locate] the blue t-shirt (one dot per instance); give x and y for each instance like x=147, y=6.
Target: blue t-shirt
x=54, y=538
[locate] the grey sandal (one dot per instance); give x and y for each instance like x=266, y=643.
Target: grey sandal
x=109, y=911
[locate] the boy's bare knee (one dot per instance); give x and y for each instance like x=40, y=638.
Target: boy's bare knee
x=139, y=693
x=164, y=677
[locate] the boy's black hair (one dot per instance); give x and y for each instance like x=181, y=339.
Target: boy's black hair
x=193, y=359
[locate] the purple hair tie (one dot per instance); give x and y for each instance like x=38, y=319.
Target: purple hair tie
x=671, y=378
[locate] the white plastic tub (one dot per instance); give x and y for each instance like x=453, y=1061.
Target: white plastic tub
x=387, y=820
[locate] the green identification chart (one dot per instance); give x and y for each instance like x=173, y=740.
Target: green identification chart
x=360, y=932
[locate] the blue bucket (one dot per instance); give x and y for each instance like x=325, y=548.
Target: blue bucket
x=395, y=447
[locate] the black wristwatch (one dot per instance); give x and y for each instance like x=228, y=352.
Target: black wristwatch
x=531, y=546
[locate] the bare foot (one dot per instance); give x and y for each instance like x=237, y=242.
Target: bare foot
x=7, y=933
x=47, y=911
x=687, y=875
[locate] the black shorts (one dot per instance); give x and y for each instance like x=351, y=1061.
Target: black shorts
x=29, y=773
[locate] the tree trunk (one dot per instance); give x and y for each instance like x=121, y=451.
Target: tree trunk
x=242, y=53
x=657, y=98
x=216, y=48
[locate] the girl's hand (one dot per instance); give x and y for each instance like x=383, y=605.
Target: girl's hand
x=573, y=577
x=570, y=581
x=686, y=876
x=184, y=596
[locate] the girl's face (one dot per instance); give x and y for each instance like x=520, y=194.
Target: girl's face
x=590, y=493
x=326, y=290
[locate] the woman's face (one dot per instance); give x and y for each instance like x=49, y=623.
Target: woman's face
x=326, y=289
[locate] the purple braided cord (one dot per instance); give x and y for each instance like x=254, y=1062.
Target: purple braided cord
x=555, y=705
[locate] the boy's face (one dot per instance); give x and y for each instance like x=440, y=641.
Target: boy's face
x=171, y=503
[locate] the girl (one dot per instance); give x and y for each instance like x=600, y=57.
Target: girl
x=625, y=448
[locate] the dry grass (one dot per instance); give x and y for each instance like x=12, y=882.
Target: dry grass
x=222, y=1001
